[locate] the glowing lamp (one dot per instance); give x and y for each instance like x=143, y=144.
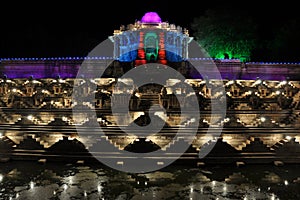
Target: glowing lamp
x=141, y=53
x=140, y=62
x=161, y=54
x=163, y=62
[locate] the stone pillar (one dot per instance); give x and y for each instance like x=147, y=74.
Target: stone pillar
x=141, y=57
x=162, y=51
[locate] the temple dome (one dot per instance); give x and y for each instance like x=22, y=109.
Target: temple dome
x=151, y=17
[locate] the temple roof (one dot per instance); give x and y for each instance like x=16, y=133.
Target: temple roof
x=151, y=17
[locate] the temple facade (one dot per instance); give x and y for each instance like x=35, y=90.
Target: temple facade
x=37, y=120
x=151, y=40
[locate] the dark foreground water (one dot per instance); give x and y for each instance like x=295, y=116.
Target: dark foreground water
x=31, y=180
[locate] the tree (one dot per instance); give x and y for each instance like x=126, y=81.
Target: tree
x=226, y=33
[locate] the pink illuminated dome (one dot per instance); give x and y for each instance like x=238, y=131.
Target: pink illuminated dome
x=151, y=17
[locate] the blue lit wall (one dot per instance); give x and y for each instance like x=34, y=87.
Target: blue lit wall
x=127, y=43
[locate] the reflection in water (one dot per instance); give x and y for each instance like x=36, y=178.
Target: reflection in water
x=30, y=180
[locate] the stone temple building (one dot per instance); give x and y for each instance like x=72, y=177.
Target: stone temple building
x=45, y=103
x=150, y=40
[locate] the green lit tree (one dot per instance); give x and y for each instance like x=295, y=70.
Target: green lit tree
x=225, y=33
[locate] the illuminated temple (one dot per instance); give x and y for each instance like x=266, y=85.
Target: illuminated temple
x=151, y=40
x=262, y=119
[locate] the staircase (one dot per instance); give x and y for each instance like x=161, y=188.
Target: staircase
x=279, y=144
x=150, y=97
x=6, y=118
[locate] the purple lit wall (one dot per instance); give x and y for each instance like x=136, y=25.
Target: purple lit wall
x=253, y=71
x=151, y=17
x=69, y=69
x=39, y=71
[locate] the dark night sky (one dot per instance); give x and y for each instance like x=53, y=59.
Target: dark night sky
x=59, y=29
